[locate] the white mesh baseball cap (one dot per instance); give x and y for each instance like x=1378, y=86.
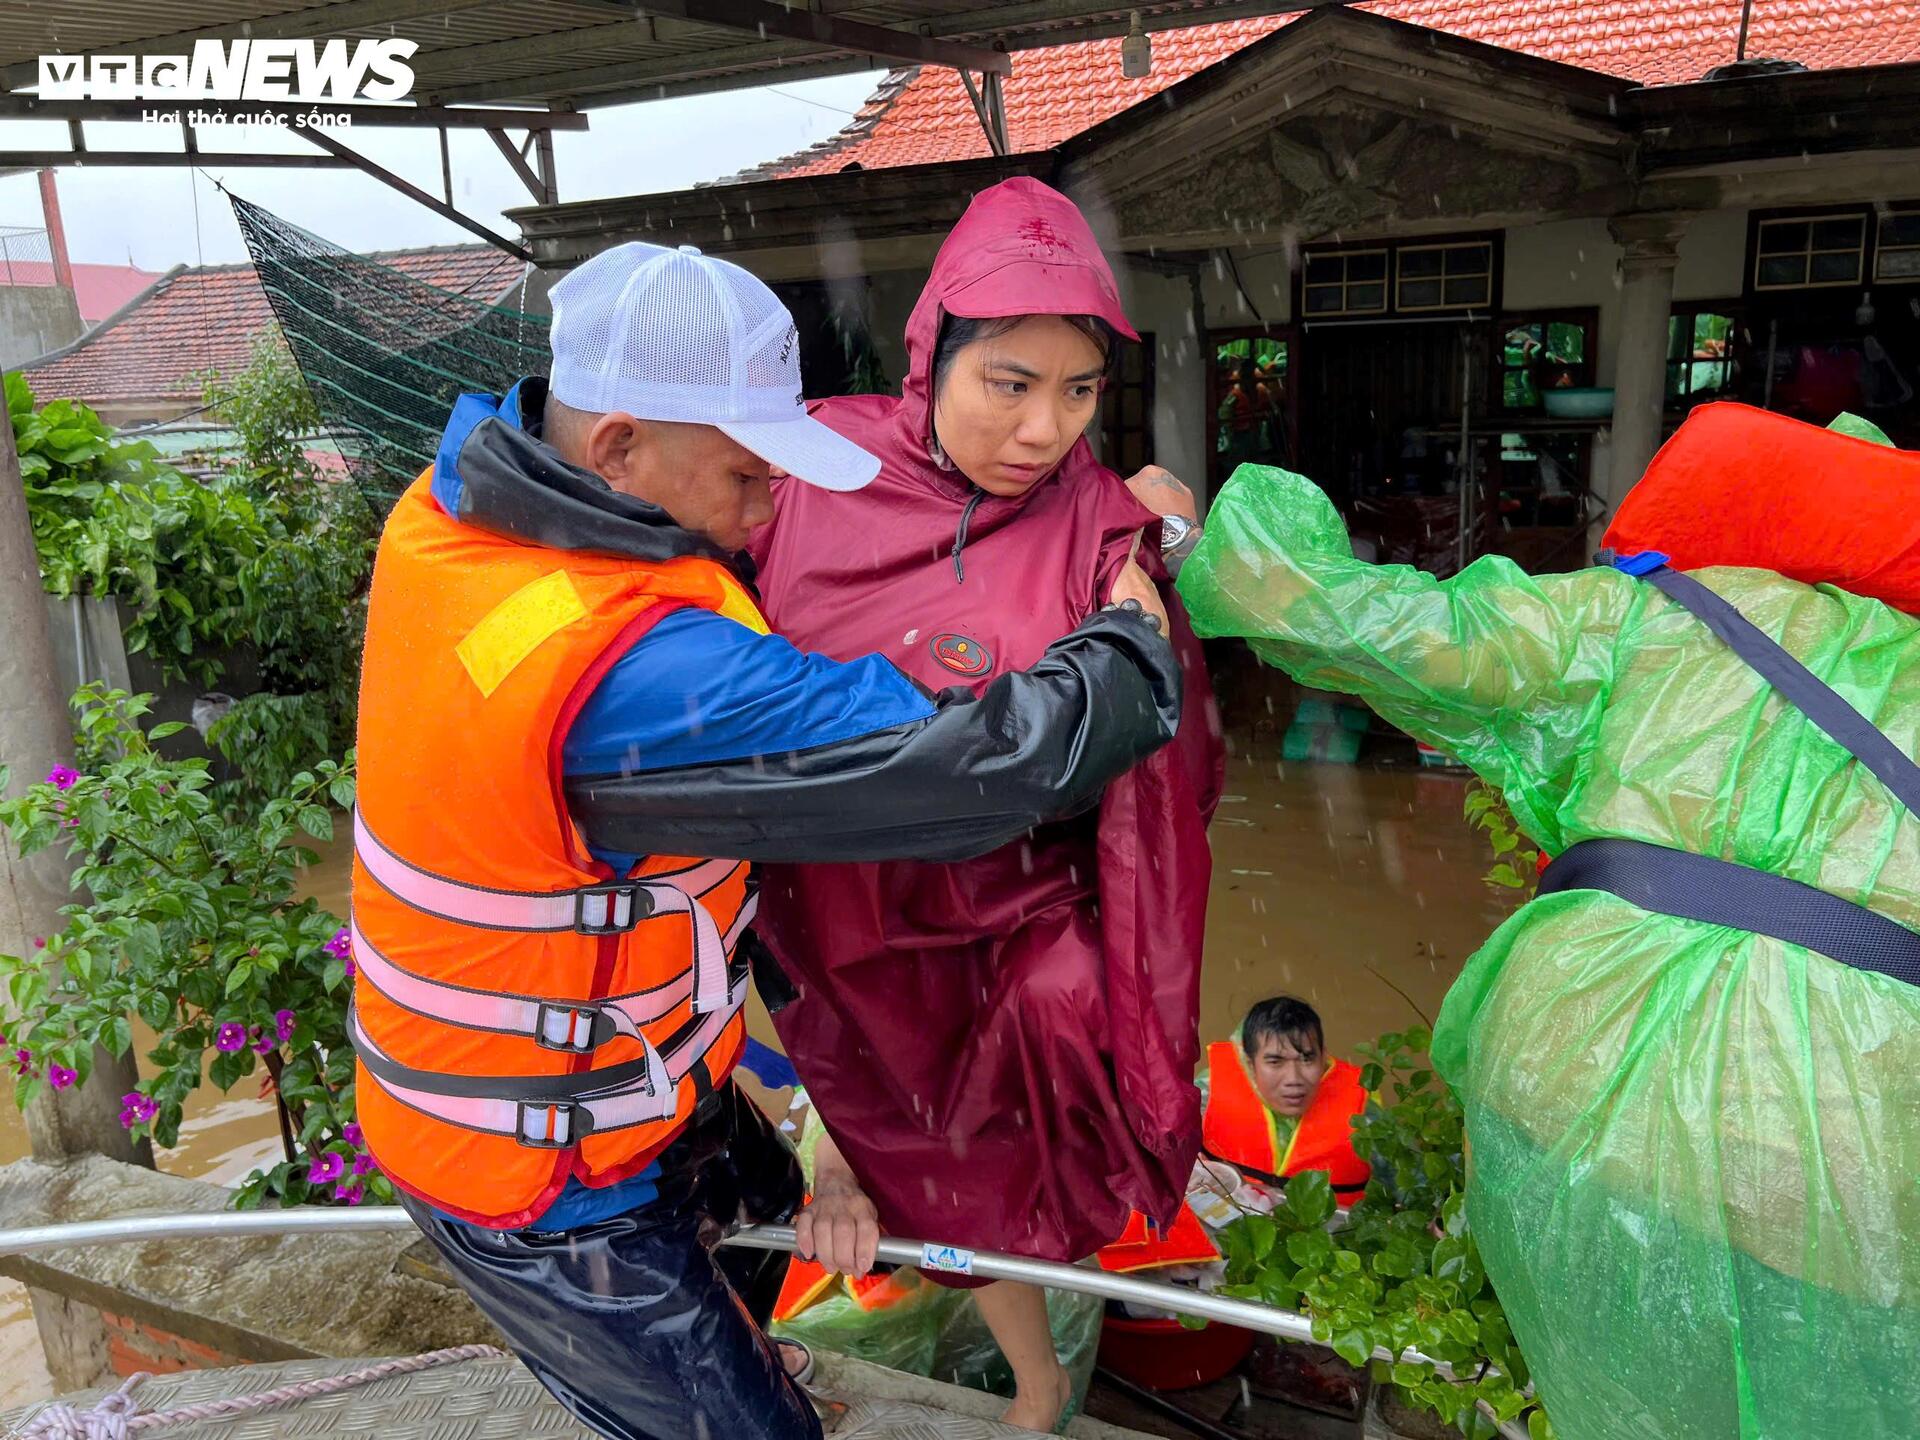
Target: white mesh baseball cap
x=676, y=335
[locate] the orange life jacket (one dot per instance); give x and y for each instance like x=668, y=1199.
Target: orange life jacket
x=502, y=972
x=807, y=1284
x=1239, y=1128
x=1144, y=1246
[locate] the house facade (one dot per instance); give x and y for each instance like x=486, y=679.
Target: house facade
x=1409, y=250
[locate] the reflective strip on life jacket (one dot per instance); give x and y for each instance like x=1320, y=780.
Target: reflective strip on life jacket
x=610, y=909
x=572, y=1025
x=554, y=1111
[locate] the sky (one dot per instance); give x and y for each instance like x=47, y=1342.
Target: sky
x=157, y=218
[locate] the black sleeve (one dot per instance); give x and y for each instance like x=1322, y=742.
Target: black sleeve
x=978, y=772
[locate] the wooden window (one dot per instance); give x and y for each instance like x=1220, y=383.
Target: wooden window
x=1444, y=277
x=1896, y=258
x=1345, y=282
x=1810, y=251
x=1126, y=409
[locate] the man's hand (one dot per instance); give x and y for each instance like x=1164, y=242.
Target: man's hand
x=839, y=1228
x=1132, y=584
x=1161, y=492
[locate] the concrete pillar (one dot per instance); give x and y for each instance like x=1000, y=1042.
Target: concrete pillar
x=1651, y=246
x=35, y=735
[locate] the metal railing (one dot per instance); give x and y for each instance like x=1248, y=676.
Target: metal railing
x=982, y=1264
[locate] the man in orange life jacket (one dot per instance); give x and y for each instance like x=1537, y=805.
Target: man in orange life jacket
x=575, y=732
x=1275, y=1104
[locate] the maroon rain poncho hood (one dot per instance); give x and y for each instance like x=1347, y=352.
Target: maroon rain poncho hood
x=1003, y=1048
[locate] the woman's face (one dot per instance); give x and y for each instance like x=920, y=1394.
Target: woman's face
x=1011, y=405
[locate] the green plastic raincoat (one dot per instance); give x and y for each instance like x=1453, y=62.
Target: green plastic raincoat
x=1694, y=1152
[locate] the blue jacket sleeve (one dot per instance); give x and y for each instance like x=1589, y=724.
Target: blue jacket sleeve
x=709, y=739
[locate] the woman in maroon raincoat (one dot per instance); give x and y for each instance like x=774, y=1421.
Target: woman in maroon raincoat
x=1002, y=1050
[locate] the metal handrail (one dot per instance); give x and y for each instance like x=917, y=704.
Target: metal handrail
x=981, y=1264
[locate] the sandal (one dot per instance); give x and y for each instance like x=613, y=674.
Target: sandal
x=804, y=1375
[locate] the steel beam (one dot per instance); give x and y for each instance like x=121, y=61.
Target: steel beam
x=854, y=37
x=157, y=159
x=323, y=20
x=401, y=117
x=412, y=192
x=1034, y=25
x=520, y=167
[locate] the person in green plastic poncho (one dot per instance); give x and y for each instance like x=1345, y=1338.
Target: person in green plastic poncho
x=1694, y=1150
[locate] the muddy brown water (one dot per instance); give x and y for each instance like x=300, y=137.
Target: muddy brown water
x=1329, y=882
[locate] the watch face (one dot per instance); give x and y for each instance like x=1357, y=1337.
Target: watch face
x=1173, y=529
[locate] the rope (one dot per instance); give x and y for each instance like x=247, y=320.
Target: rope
x=118, y=1415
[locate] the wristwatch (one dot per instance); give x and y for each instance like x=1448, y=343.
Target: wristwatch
x=1178, y=536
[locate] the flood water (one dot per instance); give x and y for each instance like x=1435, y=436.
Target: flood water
x=1334, y=883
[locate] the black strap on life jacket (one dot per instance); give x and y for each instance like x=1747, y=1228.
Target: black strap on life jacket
x=1724, y=892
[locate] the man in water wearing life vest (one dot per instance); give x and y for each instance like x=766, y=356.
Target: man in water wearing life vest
x=574, y=732
x=1275, y=1105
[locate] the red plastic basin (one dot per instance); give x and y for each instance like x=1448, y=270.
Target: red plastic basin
x=1165, y=1355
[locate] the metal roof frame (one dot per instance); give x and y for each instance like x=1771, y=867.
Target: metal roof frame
x=552, y=60
x=579, y=54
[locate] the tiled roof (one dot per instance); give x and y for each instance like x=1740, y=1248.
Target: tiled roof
x=922, y=116
x=206, y=319
x=99, y=289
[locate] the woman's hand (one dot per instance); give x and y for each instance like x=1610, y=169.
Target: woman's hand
x=1160, y=491
x=1132, y=584
x=839, y=1227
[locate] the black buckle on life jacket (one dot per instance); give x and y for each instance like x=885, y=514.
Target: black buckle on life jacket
x=560, y=1125
x=571, y=1029
x=639, y=906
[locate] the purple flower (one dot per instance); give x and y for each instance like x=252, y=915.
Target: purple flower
x=232, y=1037
x=23, y=1061
x=341, y=945
x=263, y=1043
x=352, y=1194
x=351, y=1133
x=136, y=1109
x=63, y=777
x=328, y=1167
x=39, y=942
x=352, y=970
x=283, y=1024
x=60, y=1077
x=363, y=1165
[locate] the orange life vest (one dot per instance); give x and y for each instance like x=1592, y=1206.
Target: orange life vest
x=1144, y=1246
x=502, y=973
x=807, y=1284
x=1239, y=1128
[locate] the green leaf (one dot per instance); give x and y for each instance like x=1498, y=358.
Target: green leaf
x=1310, y=1249
x=120, y=1037
x=1352, y=1347
x=341, y=789
x=1538, y=1426
x=317, y=822
x=1310, y=1197
x=169, y=728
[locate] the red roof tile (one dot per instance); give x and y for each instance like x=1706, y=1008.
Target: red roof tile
x=206, y=319
x=922, y=116
x=99, y=289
